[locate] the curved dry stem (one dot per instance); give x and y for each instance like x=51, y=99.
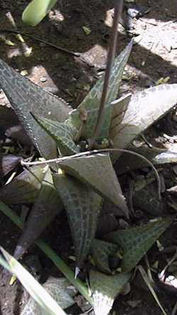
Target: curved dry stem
x=58, y=160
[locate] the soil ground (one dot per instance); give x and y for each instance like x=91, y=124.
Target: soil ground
x=153, y=57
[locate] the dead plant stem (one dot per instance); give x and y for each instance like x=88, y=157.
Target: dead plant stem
x=86, y=153
x=110, y=58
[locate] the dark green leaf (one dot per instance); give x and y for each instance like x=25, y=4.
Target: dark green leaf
x=98, y=172
x=105, y=289
x=101, y=252
x=62, y=134
x=90, y=105
x=26, y=97
x=46, y=207
x=82, y=205
x=136, y=241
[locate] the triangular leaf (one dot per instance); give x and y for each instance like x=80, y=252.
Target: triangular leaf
x=143, y=110
x=90, y=105
x=62, y=133
x=82, y=205
x=105, y=289
x=25, y=187
x=95, y=170
x=136, y=241
x=26, y=97
x=101, y=252
x=57, y=288
x=47, y=205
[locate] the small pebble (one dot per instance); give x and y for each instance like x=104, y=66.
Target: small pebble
x=43, y=79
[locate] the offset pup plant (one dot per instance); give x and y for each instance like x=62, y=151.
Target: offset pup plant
x=80, y=171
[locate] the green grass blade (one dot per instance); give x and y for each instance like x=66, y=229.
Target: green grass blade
x=145, y=278
x=58, y=262
x=58, y=289
x=48, y=305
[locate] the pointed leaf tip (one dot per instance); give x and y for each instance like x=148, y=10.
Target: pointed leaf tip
x=45, y=208
x=97, y=171
x=83, y=206
x=144, y=108
x=62, y=133
x=136, y=241
x=91, y=102
x=26, y=97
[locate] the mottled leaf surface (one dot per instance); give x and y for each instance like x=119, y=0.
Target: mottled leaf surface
x=97, y=171
x=143, y=110
x=136, y=241
x=62, y=133
x=83, y=206
x=90, y=105
x=26, y=97
x=105, y=289
x=58, y=289
x=24, y=188
x=101, y=251
x=45, y=208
